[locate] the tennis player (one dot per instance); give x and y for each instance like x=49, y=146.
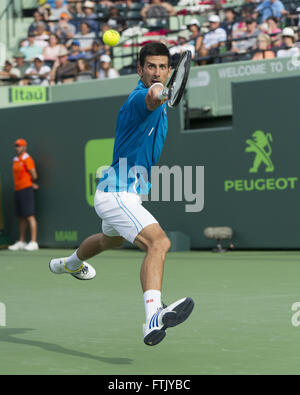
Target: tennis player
x=140, y=135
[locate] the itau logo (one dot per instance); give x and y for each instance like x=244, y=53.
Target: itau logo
x=260, y=145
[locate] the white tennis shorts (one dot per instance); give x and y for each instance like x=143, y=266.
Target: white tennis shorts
x=122, y=214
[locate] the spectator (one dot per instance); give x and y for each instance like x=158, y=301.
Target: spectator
x=10, y=75
x=156, y=12
x=251, y=34
x=263, y=43
x=76, y=11
x=115, y=20
x=271, y=8
x=288, y=46
x=83, y=70
x=93, y=56
x=30, y=49
x=228, y=23
x=90, y=16
x=50, y=52
x=106, y=71
x=273, y=30
x=63, y=70
x=213, y=39
x=240, y=27
x=51, y=3
x=45, y=10
x=183, y=44
x=157, y=8
x=85, y=37
x=41, y=35
x=196, y=36
x=38, y=73
x=64, y=29
x=75, y=52
x=58, y=9
x=21, y=65
x=25, y=176
x=38, y=17
x=105, y=3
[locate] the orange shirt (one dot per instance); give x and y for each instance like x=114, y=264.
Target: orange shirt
x=21, y=166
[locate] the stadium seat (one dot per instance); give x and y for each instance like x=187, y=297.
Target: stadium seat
x=101, y=11
x=133, y=18
x=126, y=70
x=136, y=7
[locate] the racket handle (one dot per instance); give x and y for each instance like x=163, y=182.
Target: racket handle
x=163, y=94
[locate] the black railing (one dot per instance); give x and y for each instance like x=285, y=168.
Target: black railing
x=9, y=16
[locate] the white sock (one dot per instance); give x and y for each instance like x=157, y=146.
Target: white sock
x=152, y=302
x=73, y=262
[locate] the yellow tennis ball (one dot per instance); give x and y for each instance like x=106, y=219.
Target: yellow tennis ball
x=111, y=37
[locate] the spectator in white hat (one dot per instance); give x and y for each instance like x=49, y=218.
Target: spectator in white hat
x=106, y=71
x=196, y=36
x=288, y=44
x=89, y=14
x=38, y=73
x=213, y=39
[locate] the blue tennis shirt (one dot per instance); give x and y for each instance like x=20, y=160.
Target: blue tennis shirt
x=139, y=139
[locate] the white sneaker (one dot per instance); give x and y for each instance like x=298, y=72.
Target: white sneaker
x=85, y=272
x=32, y=246
x=19, y=245
x=155, y=328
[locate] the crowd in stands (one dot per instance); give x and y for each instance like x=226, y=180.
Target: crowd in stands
x=64, y=41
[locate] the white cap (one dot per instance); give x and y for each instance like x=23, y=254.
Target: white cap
x=105, y=58
x=88, y=4
x=40, y=57
x=193, y=21
x=214, y=18
x=288, y=31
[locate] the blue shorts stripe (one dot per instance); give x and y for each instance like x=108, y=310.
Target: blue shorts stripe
x=126, y=208
x=126, y=213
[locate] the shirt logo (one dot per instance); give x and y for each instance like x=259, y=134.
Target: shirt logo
x=150, y=131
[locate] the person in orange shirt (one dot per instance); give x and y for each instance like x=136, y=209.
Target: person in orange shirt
x=25, y=175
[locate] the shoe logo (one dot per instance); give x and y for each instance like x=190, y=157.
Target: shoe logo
x=154, y=319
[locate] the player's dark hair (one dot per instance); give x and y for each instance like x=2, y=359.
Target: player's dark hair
x=153, y=49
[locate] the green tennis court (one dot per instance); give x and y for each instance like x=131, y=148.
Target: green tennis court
x=241, y=323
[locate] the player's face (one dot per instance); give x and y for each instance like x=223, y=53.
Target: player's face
x=20, y=149
x=155, y=69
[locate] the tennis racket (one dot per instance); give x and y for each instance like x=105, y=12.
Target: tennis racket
x=176, y=85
